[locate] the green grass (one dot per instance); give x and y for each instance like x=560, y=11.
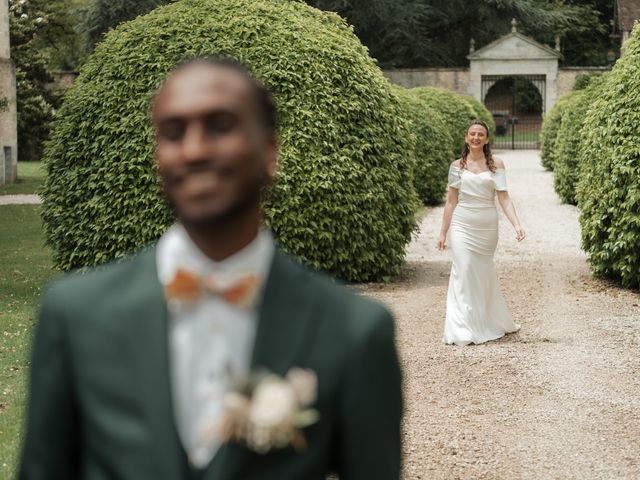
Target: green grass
x=30, y=178
x=25, y=266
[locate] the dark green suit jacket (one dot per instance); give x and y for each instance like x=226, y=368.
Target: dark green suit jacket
x=100, y=400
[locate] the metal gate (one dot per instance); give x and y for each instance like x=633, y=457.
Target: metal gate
x=517, y=105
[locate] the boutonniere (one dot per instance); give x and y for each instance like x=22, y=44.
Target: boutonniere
x=267, y=412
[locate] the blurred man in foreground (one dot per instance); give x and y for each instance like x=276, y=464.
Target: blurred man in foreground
x=212, y=355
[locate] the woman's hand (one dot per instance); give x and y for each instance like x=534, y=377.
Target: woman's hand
x=520, y=233
x=441, y=242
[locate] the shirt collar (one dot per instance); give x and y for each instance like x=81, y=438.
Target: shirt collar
x=176, y=250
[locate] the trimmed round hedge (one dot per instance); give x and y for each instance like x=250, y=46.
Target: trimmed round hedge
x=549, y=131
x=482, y=113
x=608, y=192
x=344, y=200
x=457, y=112
x=566, y=167
x=434, y=146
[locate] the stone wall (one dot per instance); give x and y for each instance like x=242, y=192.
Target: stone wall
x=457, y=79
x=454, y=79
x=567, y=77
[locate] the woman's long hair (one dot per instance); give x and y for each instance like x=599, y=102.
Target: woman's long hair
x=486, y=149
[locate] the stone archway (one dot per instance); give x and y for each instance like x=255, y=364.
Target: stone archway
x=517, y=104
x=515, y=55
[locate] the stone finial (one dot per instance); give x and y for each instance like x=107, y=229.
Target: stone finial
x=514, y=24
x=558, y=43
x=472, y=45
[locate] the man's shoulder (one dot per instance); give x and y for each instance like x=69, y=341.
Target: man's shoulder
x=342, y=302
x=86, y=283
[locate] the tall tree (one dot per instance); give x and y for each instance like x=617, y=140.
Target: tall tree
x=592, y=46
x=59, y=39
x=411, y=33
x=35, y=101
x=99, y=16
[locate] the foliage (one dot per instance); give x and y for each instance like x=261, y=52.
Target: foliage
x=25, y=266
x=392, y=29
x=482, y=113
x=608, y=192
x=58, y=39
x=35, y=102
x=99, y=16
x=344, y=200
x=566, y=169
x=434, y=145
x=528, y=97
x=414, y=33
x=590, y=46
x=549, y=131
x=583, y=80
x=457, y=112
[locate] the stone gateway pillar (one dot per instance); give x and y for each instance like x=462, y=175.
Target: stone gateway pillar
x=514, y=55
x=8, y=113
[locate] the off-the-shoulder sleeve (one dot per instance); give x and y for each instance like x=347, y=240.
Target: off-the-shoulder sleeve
x=455, y=177
x=500, y=179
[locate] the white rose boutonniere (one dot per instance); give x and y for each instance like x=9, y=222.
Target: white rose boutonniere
x=267, y=412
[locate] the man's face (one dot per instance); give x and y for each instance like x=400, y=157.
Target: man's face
x=213, y=152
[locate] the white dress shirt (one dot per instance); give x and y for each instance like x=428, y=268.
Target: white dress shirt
x=210, y=341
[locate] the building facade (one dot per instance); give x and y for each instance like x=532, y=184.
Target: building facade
x=8, y=112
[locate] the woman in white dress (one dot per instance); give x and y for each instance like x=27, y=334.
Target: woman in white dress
x=476, y=310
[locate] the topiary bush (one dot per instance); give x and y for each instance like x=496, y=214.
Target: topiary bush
x=608, y=192
x=457, y=112
x=434, y=146
x=566, y=168
x=584, y=80
x=344, y=200
x=482, y=113
x=549, y=131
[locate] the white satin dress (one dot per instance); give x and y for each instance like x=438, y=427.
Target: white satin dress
x=476, y=310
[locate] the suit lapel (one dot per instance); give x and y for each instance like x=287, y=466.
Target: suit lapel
x=283, y=330
x=285, y=318
x=149, y=350
x=283, y=326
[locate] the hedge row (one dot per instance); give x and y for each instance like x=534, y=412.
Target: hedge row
x=608, y=192
x=353, y=153
x=549, y=131
x=602, y=124
x=344, y=201
x=434, y=145
x=482, y=113
x=456, y=109
x=566, y=166
x=437, y=117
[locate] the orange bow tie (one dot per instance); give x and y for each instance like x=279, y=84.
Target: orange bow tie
x=189, y=287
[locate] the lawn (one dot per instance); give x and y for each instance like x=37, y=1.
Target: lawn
x=25, y=266
x=30, y=178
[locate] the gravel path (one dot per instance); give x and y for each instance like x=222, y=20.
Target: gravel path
x=561, y=398
x=20, y=200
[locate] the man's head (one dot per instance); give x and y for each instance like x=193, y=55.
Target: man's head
x=216, y=144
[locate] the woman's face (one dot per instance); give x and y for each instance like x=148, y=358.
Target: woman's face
x=477, y=137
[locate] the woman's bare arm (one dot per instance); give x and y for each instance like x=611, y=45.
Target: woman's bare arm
x=452, y=201
x=510, y=212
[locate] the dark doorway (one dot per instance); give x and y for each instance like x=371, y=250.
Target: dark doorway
x=517, y=104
